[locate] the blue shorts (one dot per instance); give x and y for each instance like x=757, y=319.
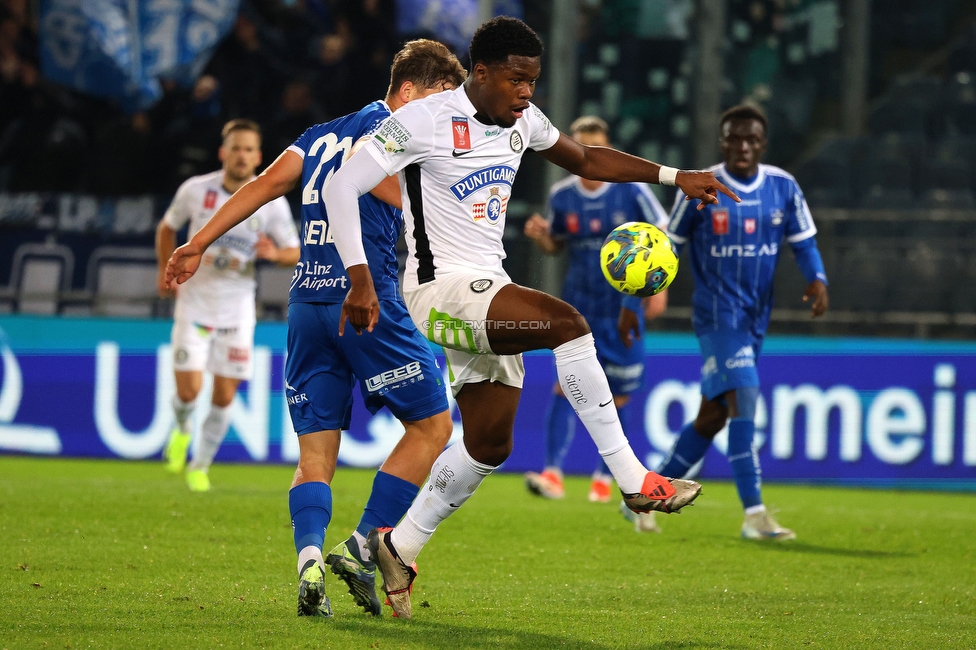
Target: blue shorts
x=393, y=363
x=624, y=366
x=728, y=361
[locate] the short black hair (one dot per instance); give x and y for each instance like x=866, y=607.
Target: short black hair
x=744, y=112
x=502, y=37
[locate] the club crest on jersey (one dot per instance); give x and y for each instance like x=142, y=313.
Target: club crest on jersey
x=491, y=210
x=462, y=137
x=777, y=217
x=496, y=175
x=749, y=225
x=210, y=200
x=480, y=286
x=596, y=225
x=515, y=141
x=572, y=223
x=720, y=221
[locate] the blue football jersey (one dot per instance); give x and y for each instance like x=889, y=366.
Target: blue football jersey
x=320, y=275
x=583, y=219
x=735, y=247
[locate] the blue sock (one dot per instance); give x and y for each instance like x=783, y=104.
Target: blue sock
x=310, y=505
x=744, y=461
x=560, y=429
x=689, y=449
x=388, y=502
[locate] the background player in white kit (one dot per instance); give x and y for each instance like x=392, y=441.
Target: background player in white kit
x=213, y=326
x=456, y=155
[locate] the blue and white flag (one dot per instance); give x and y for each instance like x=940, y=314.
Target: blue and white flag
x=122, y=48
x=452, y=21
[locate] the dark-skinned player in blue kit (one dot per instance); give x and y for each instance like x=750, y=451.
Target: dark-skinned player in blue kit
x=734, y=248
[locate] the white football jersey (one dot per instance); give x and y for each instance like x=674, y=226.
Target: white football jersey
x=456, y=178
x=221, y=292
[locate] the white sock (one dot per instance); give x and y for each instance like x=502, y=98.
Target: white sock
x=309, y=553
x=211, y=435
x=182, y=412
x=453, y=479
x=363, y=549
x=585, y=386
x=751, y=510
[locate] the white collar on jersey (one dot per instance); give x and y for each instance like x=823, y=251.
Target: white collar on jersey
x=590, y=194
x=736, y=185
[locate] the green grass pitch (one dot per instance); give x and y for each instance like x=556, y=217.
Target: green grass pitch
x=108, y=554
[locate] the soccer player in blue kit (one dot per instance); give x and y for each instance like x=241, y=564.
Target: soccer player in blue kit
x=581, y=215
x=734, y=250
x=393, y=362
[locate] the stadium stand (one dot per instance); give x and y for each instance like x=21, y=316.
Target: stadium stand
x=122, y=281
x=78, y=173
x=40, y=273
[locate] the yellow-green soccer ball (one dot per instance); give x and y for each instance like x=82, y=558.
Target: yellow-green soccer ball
x=638, y=259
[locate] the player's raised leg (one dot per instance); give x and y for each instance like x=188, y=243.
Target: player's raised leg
x=310, y=506
x=553, y=324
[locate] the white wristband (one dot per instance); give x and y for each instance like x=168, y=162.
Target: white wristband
x=667, y=175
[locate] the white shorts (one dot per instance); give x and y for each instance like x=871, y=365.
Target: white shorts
x=451, y=311
x=224, y=351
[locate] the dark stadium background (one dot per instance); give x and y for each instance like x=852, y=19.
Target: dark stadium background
x=872, y=106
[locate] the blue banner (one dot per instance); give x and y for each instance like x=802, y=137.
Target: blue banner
x=856, y=411
x=451, y=21
x=120, y=49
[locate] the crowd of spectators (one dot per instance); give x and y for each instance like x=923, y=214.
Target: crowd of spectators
x=286, y=65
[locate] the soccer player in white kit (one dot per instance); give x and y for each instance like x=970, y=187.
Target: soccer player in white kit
x=456, y=155
x=213, y=326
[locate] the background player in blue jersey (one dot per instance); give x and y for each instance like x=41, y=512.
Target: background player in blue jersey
x=734, y=250
x=581, y=215
x=393, y=362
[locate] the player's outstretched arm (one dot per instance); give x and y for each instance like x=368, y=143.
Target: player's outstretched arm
x=610, y=165
x=277, y=180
